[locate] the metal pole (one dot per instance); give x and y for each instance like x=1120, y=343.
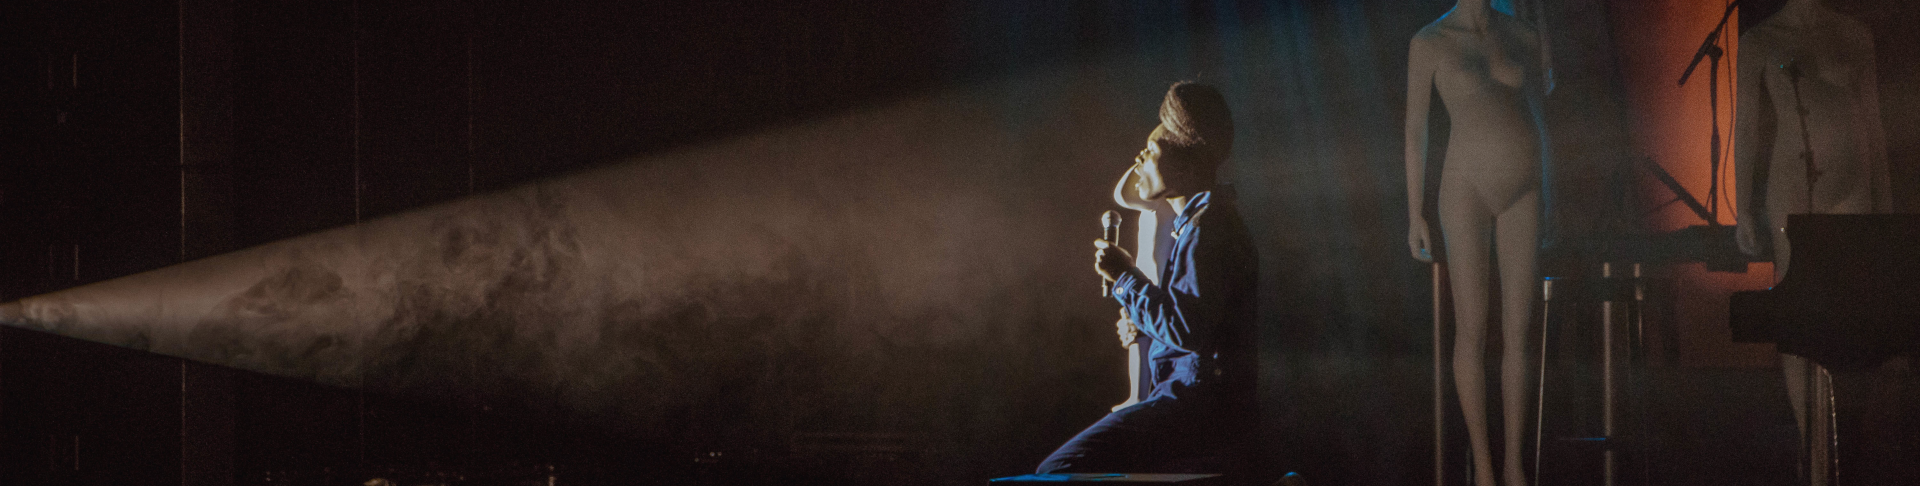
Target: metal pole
x=1606, y=376
x=1638, y=375
x=1822, y=439
x=1540, y=396
x=1439, y=382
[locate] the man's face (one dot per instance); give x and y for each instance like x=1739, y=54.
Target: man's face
x=1152, y=185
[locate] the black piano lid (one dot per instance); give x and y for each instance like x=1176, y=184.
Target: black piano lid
x=1851, y=295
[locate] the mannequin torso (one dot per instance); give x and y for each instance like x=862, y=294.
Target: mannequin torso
x=1806, y=57
x=1484, y=87
x=1821, y=61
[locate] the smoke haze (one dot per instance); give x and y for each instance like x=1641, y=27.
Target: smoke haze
x=836, y=276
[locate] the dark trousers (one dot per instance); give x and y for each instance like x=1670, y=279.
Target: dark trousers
x=1161, y=435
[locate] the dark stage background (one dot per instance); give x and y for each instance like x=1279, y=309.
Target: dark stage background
x=745, y=242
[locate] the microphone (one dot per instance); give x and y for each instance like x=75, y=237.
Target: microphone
x=1110, y=233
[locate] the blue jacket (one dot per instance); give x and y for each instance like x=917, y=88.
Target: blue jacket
x=1202, y=318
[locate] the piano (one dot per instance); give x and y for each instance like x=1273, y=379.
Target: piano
x=1851, y=296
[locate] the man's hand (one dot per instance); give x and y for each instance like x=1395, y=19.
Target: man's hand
x=1110, y=261
x=1125, y=328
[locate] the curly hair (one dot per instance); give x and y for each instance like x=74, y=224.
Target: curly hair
x=1198, y=127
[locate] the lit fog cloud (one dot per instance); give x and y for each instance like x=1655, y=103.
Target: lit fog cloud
x=803, y=263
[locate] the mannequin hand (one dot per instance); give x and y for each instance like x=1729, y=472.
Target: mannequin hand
x=1420, y=240
x=1124, y=327
x=1110, y=261
x=1745, y=237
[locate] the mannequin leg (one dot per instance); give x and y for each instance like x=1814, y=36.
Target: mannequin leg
x=1794, y=370
x=1467, y=229
x=1518, y=233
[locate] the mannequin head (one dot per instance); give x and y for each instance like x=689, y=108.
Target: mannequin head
x=1801, y=11
x=1480, y=7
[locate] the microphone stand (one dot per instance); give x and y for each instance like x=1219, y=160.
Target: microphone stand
x=1710, y=48
x=1806, y=138
x=1818, y=378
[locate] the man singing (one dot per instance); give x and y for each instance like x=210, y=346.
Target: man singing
x=1201, y=413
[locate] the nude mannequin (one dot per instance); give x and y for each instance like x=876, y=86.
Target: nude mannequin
x=1806, y=55
x=1151, y=247
x=1153, y=244
x=1491, y=71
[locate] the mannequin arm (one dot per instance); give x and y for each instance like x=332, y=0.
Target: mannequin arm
x=1420, y=69
x=1125, y=195
x=1876, y=136
x=1752, y=137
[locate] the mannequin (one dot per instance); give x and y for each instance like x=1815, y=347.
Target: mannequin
x=1491, y=71
x=1805, y=56
x=1151, y=246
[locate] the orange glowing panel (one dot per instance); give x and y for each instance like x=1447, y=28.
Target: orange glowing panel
x=1672, y=125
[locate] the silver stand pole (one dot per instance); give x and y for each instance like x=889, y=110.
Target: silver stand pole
x=1439, y=380
x=1608, y=387
x=1540, y=396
